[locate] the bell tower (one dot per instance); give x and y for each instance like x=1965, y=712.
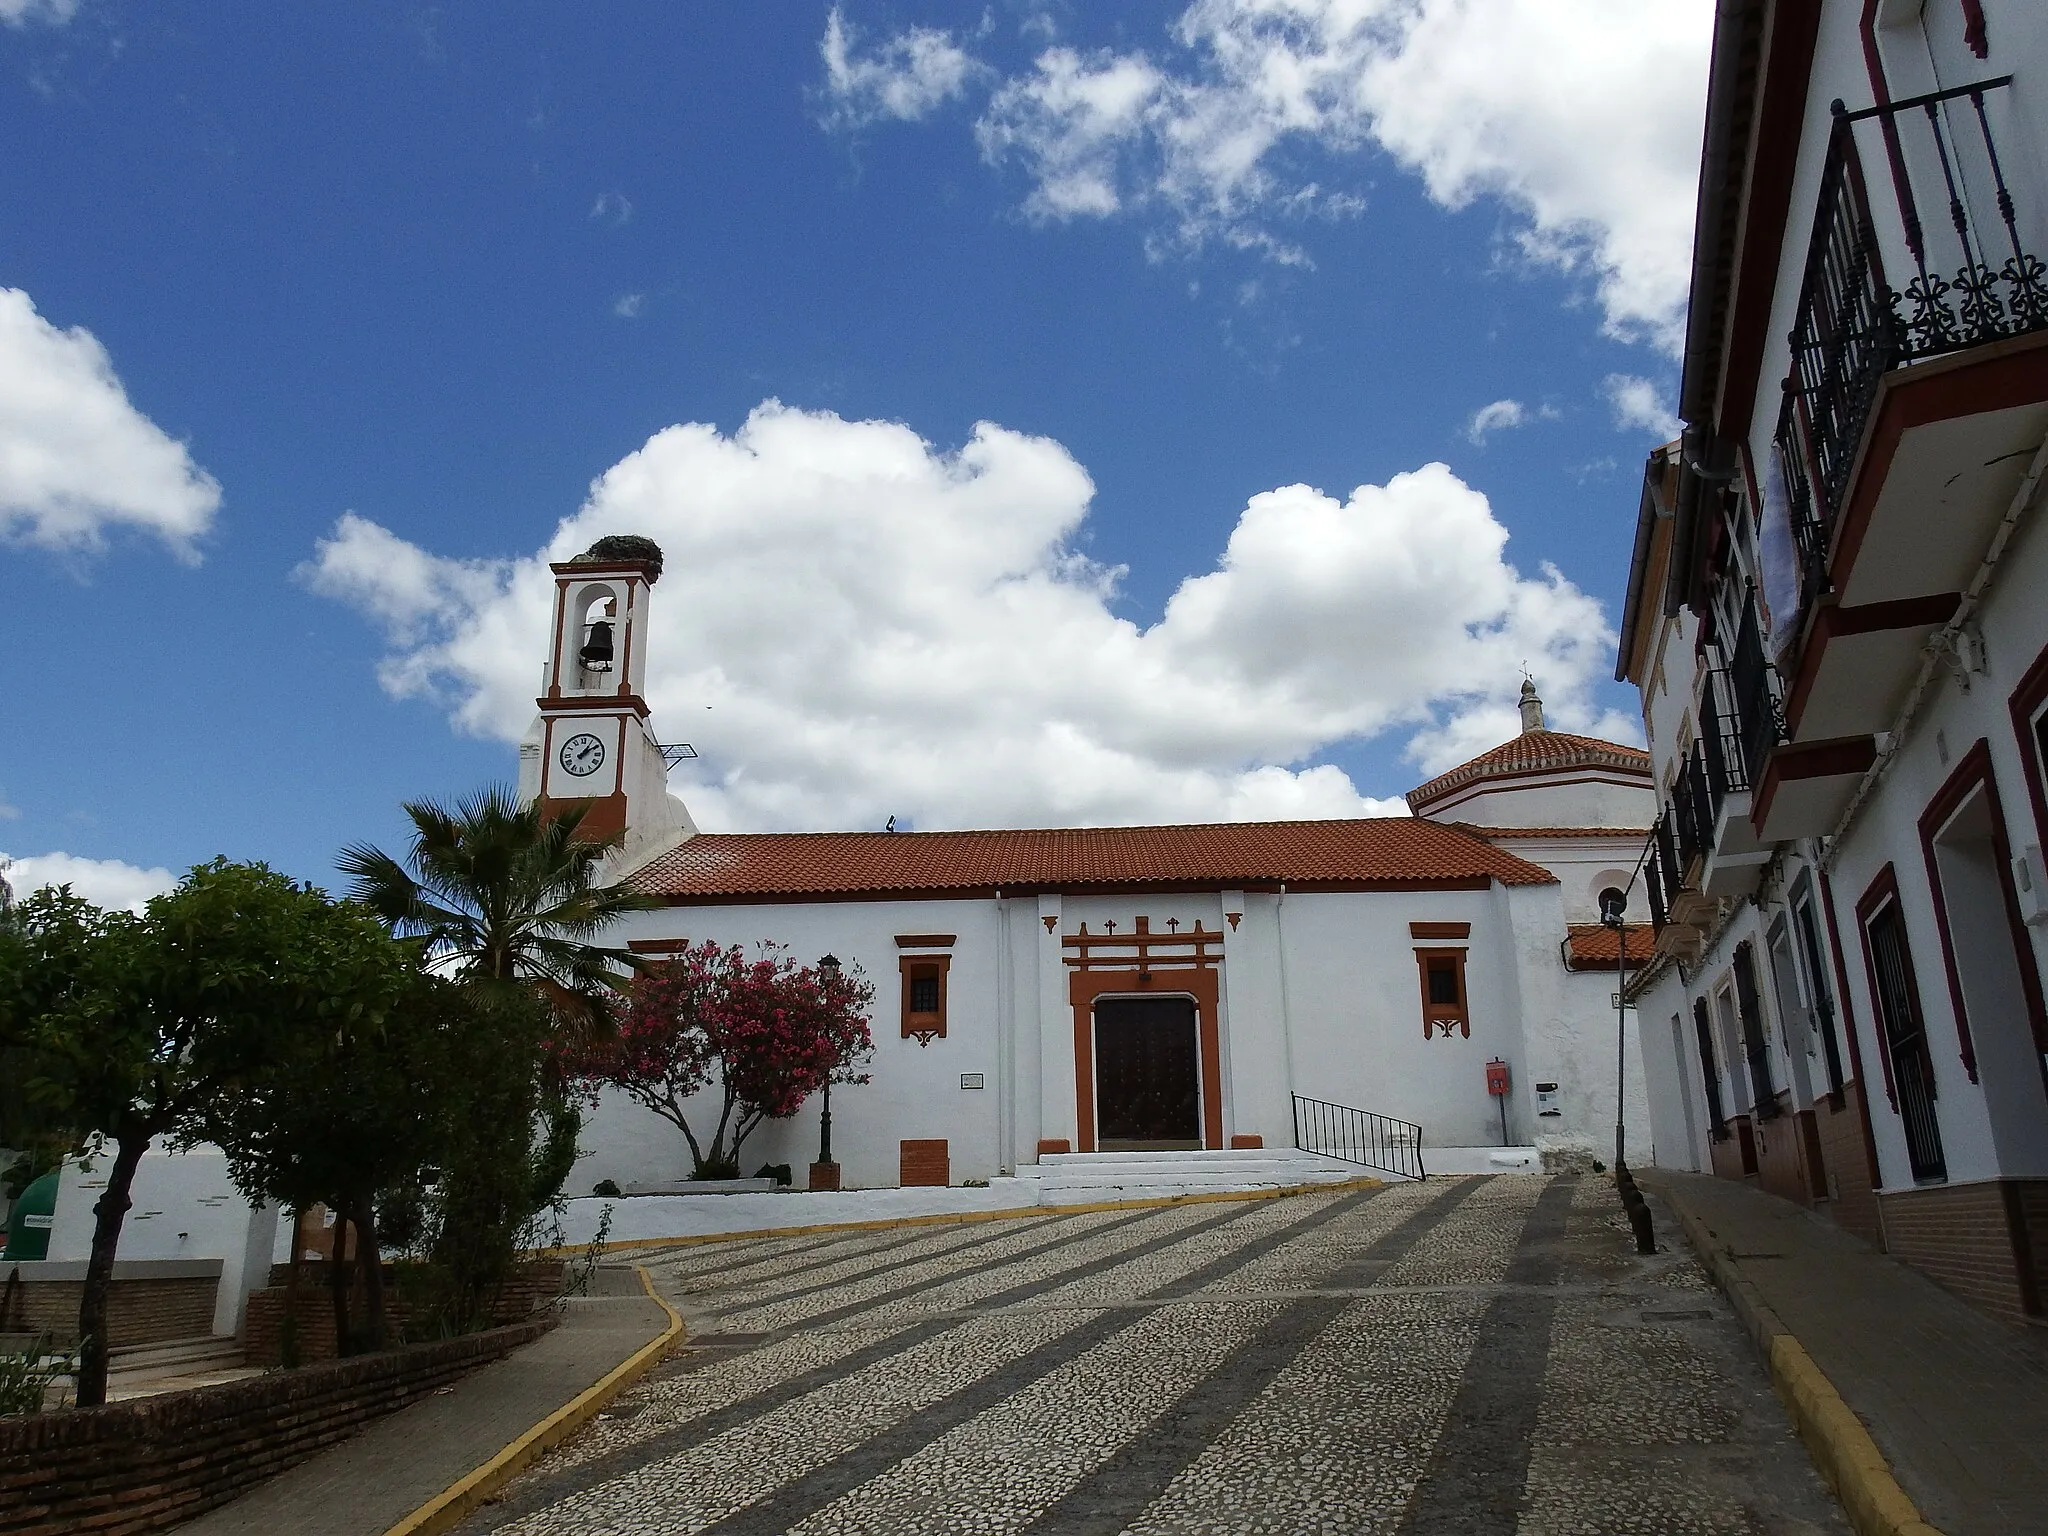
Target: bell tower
x=591, y=744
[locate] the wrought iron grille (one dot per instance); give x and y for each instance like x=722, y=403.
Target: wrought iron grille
x=1964, y=286
x=1656, y=877
x=1758, y=723
x=1358, y=1136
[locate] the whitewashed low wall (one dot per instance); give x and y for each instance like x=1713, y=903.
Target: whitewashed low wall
x=643, y=1217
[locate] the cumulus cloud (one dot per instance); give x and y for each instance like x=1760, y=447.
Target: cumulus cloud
x=612, y=208
x=853, y=623
x=911, y=74
x=1581, y=116
x=1494, y=418
x=104, y=882
x=629, y=305
x=19, y=13
x=76, y=458
x=1639, y=406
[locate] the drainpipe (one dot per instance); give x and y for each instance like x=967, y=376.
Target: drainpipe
x=1944, y=641
x=1286, y=1016
x=1006, y=1111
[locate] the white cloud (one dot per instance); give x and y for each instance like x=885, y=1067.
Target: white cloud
x=854, y=624
x=19, y=13
x=76, y=458
x=104, y=882
x=629, y=305
x=1582, y=116
x=911, y=74
x=1639, y=406
x=613, y=207
x=1496, y=417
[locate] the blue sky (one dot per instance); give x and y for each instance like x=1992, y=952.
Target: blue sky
x=324, y=320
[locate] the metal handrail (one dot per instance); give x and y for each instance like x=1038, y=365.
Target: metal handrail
x=1358, y=1136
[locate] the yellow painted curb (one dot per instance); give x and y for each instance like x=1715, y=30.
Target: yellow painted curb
x=886, y=1223
x=455, y=1503
x=1841, y=1448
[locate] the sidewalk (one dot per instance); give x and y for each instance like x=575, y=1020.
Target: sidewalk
x=370, y=1482
x=1956, y=1401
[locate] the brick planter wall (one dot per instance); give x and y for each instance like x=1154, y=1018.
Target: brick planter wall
x=146, y=1465
x=532, y=1286
x=138, y=1311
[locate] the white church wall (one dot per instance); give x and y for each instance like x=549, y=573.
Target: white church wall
x=1256, y=1042
x=1354, y=1003
x=1570, y=1039
x=916, y=1090
x=1573, y=800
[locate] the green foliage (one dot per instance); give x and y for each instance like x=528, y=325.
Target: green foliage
x=28, y=1373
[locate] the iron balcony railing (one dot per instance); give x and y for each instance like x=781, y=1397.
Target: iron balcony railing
x=1358, y=1136
x=1969, y=278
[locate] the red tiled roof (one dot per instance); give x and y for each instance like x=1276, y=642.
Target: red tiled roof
x=1389, y=850
x=1534, y=752
x=1592, y=946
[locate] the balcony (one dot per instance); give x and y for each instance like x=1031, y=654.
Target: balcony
x=1704, y=847
x=1917, y=400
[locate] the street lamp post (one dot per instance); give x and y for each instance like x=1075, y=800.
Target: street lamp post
x=1612, y=904
x=825, y=1172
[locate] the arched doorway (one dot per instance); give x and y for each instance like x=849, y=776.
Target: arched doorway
x=1148, y=1089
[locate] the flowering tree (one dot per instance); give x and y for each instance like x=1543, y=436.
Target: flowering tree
x=763, y=1034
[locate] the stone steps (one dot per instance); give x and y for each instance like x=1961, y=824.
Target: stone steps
x=1069, y=1178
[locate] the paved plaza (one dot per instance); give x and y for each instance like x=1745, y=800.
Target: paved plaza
x=1472, y=1355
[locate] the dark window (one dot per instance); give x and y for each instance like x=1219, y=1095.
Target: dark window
x=1443, y=983
x=1755, y=1045
x=1898, y=1012
x=1710, y=1075
x=924, y=996
x=1823, y=999
x=924, y=992
x=1443, y=992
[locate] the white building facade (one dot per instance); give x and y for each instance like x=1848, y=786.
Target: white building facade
x=1136, y=988
x=1838, y=619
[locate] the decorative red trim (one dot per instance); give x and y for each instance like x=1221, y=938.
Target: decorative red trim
x=1974, y=31
x=1885, y=888
x=657, y=946
x=1439, y=1019
x=1083, y=987
x=924, y=1028
x=1994, y=377
x=1054, y=1146
x=1832, y=623
x=1842, y=1001
x=926, y=940
x=1810, y=760
x=594, y=704
x=1971, y=771
x=1439, y=930
x=2025, y=704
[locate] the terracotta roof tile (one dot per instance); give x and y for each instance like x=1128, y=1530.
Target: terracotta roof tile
x=1592, y=946
x=1390, y=850
x=1534, y=752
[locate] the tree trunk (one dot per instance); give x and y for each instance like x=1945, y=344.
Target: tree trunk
x=338, y=1282
x=108, y=1214
x=288, y=1343
x=373, y=1272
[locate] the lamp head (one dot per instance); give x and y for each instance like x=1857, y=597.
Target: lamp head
x=1613, y=902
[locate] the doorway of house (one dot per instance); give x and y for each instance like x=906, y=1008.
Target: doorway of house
x=1147, y=1075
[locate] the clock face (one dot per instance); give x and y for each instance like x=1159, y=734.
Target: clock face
x=582, y=755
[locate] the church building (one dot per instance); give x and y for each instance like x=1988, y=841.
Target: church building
x=1148, y=988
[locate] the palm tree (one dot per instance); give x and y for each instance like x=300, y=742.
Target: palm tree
x=503, y=893
x=508, y=905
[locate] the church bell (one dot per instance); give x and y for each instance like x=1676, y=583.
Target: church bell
x=596, y=654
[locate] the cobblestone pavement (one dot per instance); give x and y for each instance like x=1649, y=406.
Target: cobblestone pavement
x=1480, y=1355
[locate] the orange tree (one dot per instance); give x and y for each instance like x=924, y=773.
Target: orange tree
x=712, y=1032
